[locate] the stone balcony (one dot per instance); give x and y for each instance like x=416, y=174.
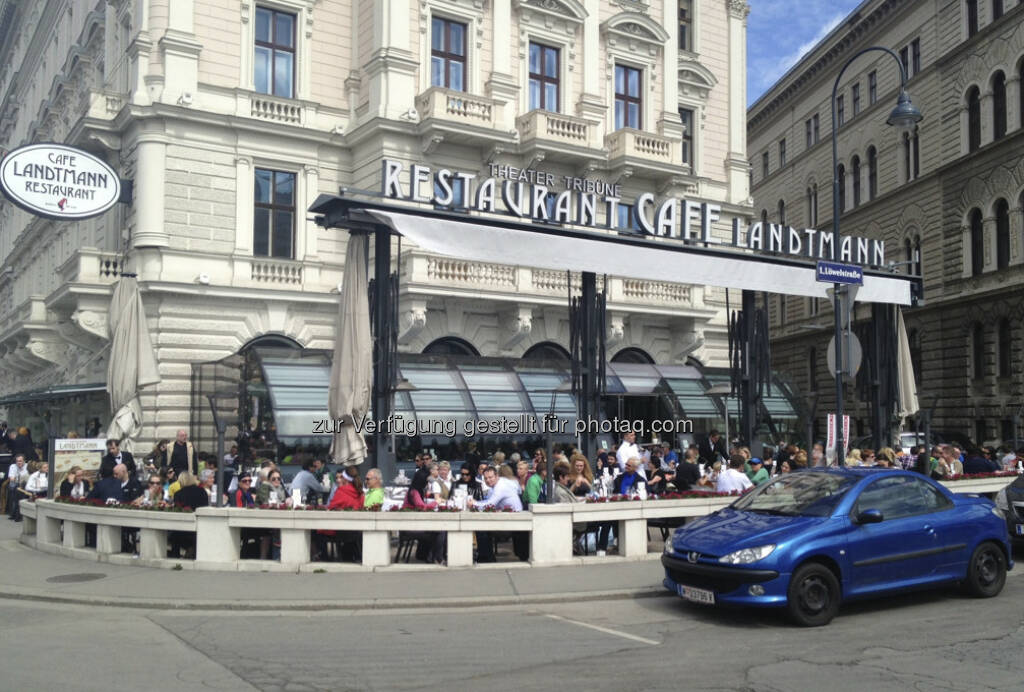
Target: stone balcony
x=279, y=110
x=558, y=137
x=92, y=266
x=459, y=116
x=644, y=153
x=429, y=275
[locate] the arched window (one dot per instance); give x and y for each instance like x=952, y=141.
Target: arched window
x=782, y=212
x=451, y=346
x=908, y=250
x=812, y=205
x=978, y=350
x=812, y=369
x=977, y=243
x=973, y=119
x=972, y=17
x=872, y=172
x=1002, y=234
x=632, y=355
x=917, y=152
x=855, y=172
x=918, y=260
x=1005, y=346
x=547, y=350
x=998, y=105
x=841, y=175
x=1020, y=77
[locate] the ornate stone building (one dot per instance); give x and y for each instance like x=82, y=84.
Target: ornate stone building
x=230, y=117
x=947, y=198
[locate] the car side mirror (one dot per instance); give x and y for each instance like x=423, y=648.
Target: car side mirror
x=870, y=516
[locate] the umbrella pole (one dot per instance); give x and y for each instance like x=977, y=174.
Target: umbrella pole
x=384, y=360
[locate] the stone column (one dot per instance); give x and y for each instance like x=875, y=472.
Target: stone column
x=180, y=54
x=591, y=104
x=74, y=534
x=295, y=544
x=1017, y=236
x=551, y=538
x=216, y=541
x=989, y=232
x=48, y=530
x=391, y=68
x=1013, y=113
x=153, y=544
x=986, y=117
x=632, y=537
x=460, y=548
x=376, y=548
x=108, y=539
x=736, y=163
x=501, y=85
x=151, y=154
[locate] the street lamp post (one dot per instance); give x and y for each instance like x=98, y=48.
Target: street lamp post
x=903, y=116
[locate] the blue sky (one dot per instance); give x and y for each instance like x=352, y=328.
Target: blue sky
x=779, y=32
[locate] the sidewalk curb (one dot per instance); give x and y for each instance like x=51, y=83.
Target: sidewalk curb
x=354, y=604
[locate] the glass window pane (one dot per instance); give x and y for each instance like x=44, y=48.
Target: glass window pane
x=436, y=72
x=457, y=38
x=282, y=240
x=455, y=73
x=634, y=82
x=263, y=25
x=620, y=110
x=261, y=70
x=262, y=179
x=634, y=115
x=437, y=34
x=284, y=25
x=283, y=74
x=551, y=62
x=534, y=58
x=284, y=189
x=534, y=94
x=551, y=97
x=261, y=232
x=620, y=80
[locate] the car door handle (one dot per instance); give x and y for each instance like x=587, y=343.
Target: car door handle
x=928, y=528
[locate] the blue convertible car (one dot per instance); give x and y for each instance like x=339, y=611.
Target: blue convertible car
x=809, y=540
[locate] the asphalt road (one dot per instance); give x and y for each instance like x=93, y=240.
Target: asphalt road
x=931, y=641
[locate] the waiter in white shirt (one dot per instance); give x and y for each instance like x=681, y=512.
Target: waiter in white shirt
x=733, y=479
x=627, y=450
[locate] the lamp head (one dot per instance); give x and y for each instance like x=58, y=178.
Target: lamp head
x=905, y=115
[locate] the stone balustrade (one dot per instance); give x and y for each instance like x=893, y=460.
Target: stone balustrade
x=277, y=272
x=275, y=109
x=60, y=528
x=445, y=104
x=635, y=144
x=556, y=127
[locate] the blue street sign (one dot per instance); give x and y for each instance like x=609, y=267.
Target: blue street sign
x=836, y=273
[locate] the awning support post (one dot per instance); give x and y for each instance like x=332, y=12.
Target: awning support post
x=384, y=347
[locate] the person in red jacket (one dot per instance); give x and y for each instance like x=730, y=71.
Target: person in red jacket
x=349, y=495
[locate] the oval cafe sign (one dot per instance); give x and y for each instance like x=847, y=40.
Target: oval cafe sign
x=58, y=181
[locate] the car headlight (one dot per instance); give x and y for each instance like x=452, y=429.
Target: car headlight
x=668, y=545
x=1001, y=502
x=996, y=511
x=748, y=555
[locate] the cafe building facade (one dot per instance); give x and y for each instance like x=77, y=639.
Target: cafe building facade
x=227, y=120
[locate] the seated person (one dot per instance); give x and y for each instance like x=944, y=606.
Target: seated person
x=38, y=482
x=374, y=489
x=74, y=484
x=243, y=496
x=191, y=494
x=626, y=482
x=112, y=488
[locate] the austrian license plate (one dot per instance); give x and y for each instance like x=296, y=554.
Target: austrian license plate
x=1020, y=529
x=697, y=595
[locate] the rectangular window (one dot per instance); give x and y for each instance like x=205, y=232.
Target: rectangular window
x=764, y=165
x=841, y=109
x=915, y=56
x=807, y=133
x=274, y=214
x=856, y=100
x=782, y=153
x=274, y=53
x=872, y=87
x=686, y=116
x=686, y=25
x=905, y=60
x=817, y=130
x=626, y=220
x=972, y=17
x=813, y=307
x=447, y=54
x=628, y=102
x=997, y=9
x=782, y=310
x=543, y=77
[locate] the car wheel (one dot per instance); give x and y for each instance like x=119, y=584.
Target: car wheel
x=986, y=572
x=813, y=595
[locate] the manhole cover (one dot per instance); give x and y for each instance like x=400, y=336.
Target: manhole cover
x=71, y=578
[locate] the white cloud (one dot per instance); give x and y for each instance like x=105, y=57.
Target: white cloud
x=770, y=73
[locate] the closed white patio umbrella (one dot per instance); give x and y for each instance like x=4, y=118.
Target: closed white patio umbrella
x=132, y=361
x=352, y=366
x=908, y=403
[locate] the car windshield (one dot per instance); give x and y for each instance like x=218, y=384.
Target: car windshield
x=809, y=494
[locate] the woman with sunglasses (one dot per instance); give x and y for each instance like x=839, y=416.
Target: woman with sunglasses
x=153, y=495
x=273, y=492
x=467, y=481
x=243, y=496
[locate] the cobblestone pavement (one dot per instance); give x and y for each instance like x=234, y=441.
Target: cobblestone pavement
x=930, y=641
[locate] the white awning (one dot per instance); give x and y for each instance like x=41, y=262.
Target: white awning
x=608, y=254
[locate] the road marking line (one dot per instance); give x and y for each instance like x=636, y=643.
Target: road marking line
x=606, y=630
